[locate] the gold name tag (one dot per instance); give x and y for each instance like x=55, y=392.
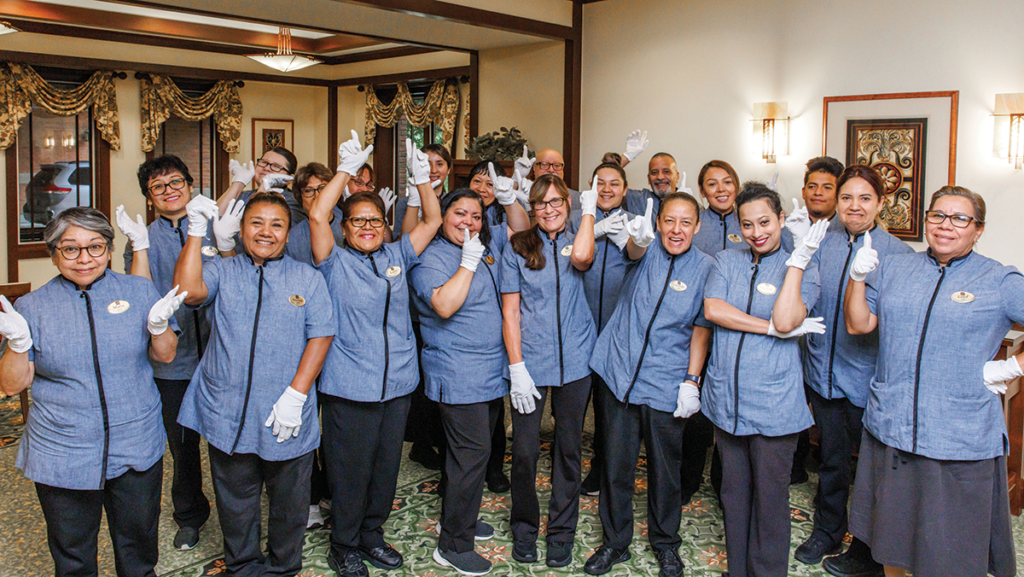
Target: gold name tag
x=210, y=250
x=766, y=288
x=567, y=250
x=297, y=300
x=393, y=271
x=677, y=285
x=962, y=297
x=735, y=238
x=489, y=259
x=118, y=307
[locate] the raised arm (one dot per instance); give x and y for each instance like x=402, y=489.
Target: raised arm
x=583, y=243
x=163, y=343
x=188, y=271
x=241, y=176
x=419, y=165
x=138, y=234
x=641, y=233
x=790, y=310
x=449, y=297
x=857, y=314
x=505, y=194
x=353, y=157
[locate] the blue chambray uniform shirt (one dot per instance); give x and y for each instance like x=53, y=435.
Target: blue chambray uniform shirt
x=400, y=208
x=937, y=327
x=300, y=246
x=644, y=353
x=373, y=357
x=718, y=232
x=464, y=358
x=603, y=281
x=836, y=363
x=166, y=239
x=754, y=383
x=64, y=443
x=262, y=318
x=294, y=207
x=556, y=324
x=636, y=202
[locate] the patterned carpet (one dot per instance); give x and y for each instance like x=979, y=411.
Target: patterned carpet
x=410, y=529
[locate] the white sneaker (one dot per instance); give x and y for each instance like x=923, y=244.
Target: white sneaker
x=316, y=518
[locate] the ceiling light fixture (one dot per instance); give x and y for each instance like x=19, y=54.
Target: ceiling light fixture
x=284, y=60
x=6, y=28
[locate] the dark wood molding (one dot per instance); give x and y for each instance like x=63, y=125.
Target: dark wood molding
x=474, y=97
x=573, y=97
x=13, y=229
x=433, y=74
x=376, y=55
x=332, y=126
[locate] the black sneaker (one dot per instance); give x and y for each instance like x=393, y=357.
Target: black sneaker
x=847, y=565
x=426, y=455
x=350, y=566
x=591, y=486
x=498, y=483
x=559, y=554
x=524, y=551
x=816, y=548
x=186, y=538
x=468, y=563
x=482, y=532
x=604, y=559
x=669, y=563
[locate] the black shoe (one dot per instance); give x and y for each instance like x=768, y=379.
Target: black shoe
x=524, y=551
x=592, y=484
x=426, y=456
x=382, y=557
x=482, y=532
x=186, y=538
x=559, y=554
x=468, y=563
x=350, y=566
x=798, y=476
x=498, y=483
x=847, y=565
x=670, y=563
x=604, y=559
x=816, y=548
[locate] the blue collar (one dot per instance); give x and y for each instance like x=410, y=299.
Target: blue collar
x=74, y=285
x=952, y=261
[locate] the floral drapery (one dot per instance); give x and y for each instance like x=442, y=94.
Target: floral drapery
x=160, y=98
x=440, y=107
x=21, y=86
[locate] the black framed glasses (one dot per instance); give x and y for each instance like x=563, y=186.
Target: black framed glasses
x=958, y=220
x=360, y=222
x=553, y=165
x=553, y=203
x=311, y=191
x=271, y=165
x=73, y=252
x=162, y=189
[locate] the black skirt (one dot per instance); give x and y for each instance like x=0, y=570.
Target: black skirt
x=931, y=517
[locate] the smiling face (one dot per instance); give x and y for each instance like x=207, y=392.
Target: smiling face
x=308, y=201
x=947, y=241
x=265, y=231
x=663, y=175
x=366, y=238
x=761, y=227
x=464, y=214
x=86, y=268
x=438, y=167
x=551, y=219
x=677, y=224
x=169, y=203
x=719, y=189
x=548, y=162
x=857, y=205
x=482, y=185
x=276, y=164
x=610, y=189
x=819, y=194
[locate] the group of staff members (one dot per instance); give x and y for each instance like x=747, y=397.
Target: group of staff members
x=660, y=309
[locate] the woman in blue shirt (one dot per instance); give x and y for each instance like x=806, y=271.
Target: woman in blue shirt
x=931, y=490
x=549, y=335
x=93, y=440
x=310, y=180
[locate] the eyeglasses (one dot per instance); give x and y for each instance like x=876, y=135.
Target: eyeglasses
x=553, y=203
x=554, y=165
x=958, y=220
x=272, y=166
x=161, y=189
x=73, y=252
x=310, y=191
x=360, y=222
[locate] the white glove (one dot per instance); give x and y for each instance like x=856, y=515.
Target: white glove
x=773, y=184
x=865, y=261
x=808, y=245
x=523, y=166
x=388, y=197
x=681, y=185
x=523, y=187
x=636, y=143
x=353, y=156
x=810, y=325
x=997, y=373
x=614, y=223
x=286, y=416
x=414, y=193
x=798, y=222
x=241, y=173
x=14, y=327
x=200, y=210
x=417, y=163
x=472, y=251
x=523, y=390
x=588, y=200
x=641, y=228
x=503, y=187
x=135, y=231
x=688, y=401
x=226, y=227
x=275, y=182
x=163, y=309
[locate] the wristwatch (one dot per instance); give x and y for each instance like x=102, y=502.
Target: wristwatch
x=694, y=378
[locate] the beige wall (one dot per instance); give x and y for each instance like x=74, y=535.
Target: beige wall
x=693, y=79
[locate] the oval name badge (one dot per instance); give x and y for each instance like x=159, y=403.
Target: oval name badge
x=735, y=238
x=393, y=271
x=297, y=300
x=567, y=250
x=677, y=285
x=766, y=288
x=118, y=307
x=209, y=250
x=489, y=259
x=962, y=297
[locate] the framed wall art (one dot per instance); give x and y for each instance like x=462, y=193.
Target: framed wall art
x=268, y=133
x=909, y=137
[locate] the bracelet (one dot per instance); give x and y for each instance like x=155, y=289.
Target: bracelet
x=694, y=378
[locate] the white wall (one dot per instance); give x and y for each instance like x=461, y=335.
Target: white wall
x=689, y=73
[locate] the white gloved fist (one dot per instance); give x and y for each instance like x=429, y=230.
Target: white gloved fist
x=418, y=164
x=588, y=200
x=810, y=325
x=523, y=187
x=135, y=230
x=523, y=166
x=472, y=251
x=226, y=227
x=688, y=401
x=286, y=416
x=997, y=373
x=615, y=222
x=163, y=310
x=275, y=182
x=200, y=210
x=798, y=222
x=352, y=155
x=388, y=197
x=808, y=245
x=865, y=261
x=681, y=185
x=504, y=187
x=641, y=228
x=523, y=393
x=636, y=143
x=14, y=327
x=241, y=173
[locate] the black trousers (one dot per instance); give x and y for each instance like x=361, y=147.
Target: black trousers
x=318, y=487
x=698, y=437
x=363, y=449
x=597, y=461
x=840, y=424
x=755, y=499
x=568, y=407
x=191, y=507
x=132, y=503
x=499, y=440
x=423, y=427
x=662, y=434
x=467, y=431
x=238, y=482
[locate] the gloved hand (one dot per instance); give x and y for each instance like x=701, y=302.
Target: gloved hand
x=523, y=166
x=200, y=210
x=810, y=325
x=14, y=327
x=997, y=373
x=865, y=261
x=636, y=143
x=472, y=251
x=414, y=193
x=162, y=311
x=388, y=197
x=616, y=222
x=135, y=231
x=798, y=222
x=353, y=156
x=418, y=164
x=523, y=187
x=641, y=228
x=286, y=416
x=808, y=245
x=588, y=200
x=523, y=392
x=226, y=227
x=773, y=184
x=275, y=182
x=681, y=185
x=688, y=401
x=503, y=187
x=241, y=173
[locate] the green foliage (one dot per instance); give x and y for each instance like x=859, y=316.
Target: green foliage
x=506, y=144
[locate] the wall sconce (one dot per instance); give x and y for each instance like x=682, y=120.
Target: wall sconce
x=1009, y=128
x=49, y=142
x=771, y=129
x=67, y=141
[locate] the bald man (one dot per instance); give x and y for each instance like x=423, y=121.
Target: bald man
x=550, y=161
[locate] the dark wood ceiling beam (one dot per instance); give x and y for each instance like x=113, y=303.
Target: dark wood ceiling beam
x=405, y=76
x=376, y=55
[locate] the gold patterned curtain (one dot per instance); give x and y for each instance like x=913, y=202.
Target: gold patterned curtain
x=160, y=98
x=21, y=86
x=440, y=107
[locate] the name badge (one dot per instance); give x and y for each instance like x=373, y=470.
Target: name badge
x=567, y=250
x=297, y=300
x=393, y=271
x=735, y=238
x=209, y=250
x=489, y=259
x=766, y=288
x=677, y=285
x=962, y=297
x=118, y=307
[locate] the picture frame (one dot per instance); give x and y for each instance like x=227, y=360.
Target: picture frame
x=268, y=133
